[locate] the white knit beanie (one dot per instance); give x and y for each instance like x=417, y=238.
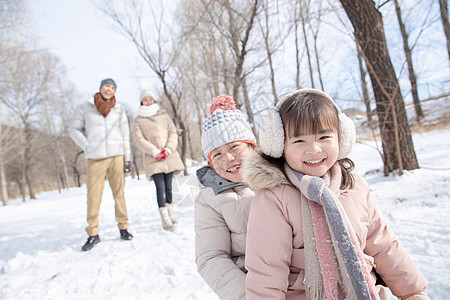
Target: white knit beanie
x=146, y=93
x=225, y=124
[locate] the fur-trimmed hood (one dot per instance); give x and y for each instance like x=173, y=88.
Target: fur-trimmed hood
x=259, y=173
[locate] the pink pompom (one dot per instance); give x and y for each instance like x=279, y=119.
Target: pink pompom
x=223, y=102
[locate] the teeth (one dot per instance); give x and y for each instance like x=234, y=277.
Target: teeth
x=233, y=169
x=313, y=161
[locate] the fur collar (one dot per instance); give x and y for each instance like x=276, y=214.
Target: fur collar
x=259, y=173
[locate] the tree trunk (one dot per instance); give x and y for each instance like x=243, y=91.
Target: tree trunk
x=408, y=55
x=30, y=186
x=55, y=166
x=444, y=16
x=75, y=169
x=23, y=181
x=240, y=47
x=318, y=64
x=393, y=122
x=265, y=32
x=365, y=90
x=315, y=33
x=308, y=54
x=62, y=156
x=297, y=50
x=21, y=188
x=4, y=186
x=250, y=116
x=27, y=158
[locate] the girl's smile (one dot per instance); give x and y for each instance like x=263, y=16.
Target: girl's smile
x=314, y=163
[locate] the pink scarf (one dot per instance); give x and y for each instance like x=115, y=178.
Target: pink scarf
x=335, y=267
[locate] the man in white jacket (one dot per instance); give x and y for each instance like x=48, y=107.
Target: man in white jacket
x=100, y=128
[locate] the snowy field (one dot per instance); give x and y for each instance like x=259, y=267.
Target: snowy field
x=40, y=240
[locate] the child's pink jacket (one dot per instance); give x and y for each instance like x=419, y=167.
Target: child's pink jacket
x=274, y=250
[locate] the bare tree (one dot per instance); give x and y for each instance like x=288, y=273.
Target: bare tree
x=265, y=31
x=408, y=55
x=239, y=30
x=147, y=27
x=12, y=17
x=304, y=19
x=228, y=26
x=23, y=101
x=32, y=76
x=398, y=148
x=298, y=57
x=315, y=33
x=364, y=88
x=55, y=115
x=443, y=4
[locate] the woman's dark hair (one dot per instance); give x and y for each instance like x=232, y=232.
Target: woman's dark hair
x=307, y=113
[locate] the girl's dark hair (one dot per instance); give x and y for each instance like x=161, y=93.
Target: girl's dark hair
x=347, y=165
x=307, y=113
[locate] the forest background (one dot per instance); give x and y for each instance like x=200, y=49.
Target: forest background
x=373, y=57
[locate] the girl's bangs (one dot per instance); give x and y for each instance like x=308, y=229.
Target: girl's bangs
x=309, y=117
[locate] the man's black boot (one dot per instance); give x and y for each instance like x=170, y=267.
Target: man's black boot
x=125, y=235
x=91, y=242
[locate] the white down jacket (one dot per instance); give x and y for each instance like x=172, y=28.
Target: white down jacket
x=101, y=137
x=221, y=215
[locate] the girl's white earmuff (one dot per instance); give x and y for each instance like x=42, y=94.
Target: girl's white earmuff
x=271, y=135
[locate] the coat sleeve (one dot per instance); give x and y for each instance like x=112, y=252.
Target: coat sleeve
x=268, y=249
x=76, y=128
x=213, y=253
x=392, y=262
x=172, y=138
x=141, y=142
x=125, y=131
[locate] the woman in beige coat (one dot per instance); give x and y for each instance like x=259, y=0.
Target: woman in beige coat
x=222, y=208
x=156, y=136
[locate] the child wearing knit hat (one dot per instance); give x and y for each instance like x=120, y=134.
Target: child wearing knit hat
x=222, y=208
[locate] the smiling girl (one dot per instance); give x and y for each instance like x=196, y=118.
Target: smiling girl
x=314, y=231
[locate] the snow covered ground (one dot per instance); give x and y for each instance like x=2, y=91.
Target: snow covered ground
x=40, y=240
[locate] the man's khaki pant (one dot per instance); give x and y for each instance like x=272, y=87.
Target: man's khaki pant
x=96, y=172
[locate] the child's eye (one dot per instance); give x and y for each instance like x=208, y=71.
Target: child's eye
x=299, y=141
x=324, y=137
x=216, y=154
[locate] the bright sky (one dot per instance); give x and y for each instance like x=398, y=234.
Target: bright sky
x=81, y=36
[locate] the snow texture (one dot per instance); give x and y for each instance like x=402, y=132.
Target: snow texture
x=40, y=240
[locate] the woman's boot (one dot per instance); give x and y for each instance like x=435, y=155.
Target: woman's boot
x=171, y=215
x=165, y=219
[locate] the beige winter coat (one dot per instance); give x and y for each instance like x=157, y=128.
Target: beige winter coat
x=275, y=256
x=220, y=228
x=152, y=135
